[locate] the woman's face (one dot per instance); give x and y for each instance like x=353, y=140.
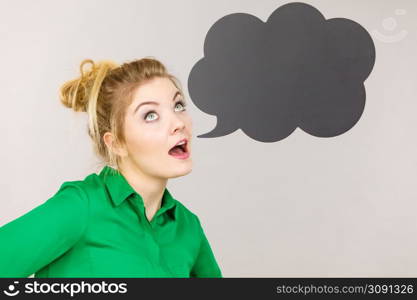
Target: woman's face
x=152, y=129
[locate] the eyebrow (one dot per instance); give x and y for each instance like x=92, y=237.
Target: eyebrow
x=153, y=102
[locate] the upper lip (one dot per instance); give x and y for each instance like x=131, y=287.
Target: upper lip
x=182, y=140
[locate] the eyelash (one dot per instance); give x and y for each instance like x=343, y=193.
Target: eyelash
x=152, y=111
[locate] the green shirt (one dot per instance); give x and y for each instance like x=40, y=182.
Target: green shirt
x=97, y=227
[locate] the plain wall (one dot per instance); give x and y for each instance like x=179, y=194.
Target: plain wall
x=301, y=207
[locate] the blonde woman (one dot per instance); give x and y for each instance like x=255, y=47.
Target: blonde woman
x=122, y=222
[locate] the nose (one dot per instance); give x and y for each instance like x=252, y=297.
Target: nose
x=178, y=123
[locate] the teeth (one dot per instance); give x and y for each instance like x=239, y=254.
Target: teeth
x=181, y=143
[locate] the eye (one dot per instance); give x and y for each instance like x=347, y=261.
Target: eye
x=151, y=113
x=181, y=103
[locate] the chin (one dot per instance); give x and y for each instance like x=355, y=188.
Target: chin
x=181, y=173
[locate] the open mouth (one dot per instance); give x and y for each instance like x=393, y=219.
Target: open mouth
x=180, y=151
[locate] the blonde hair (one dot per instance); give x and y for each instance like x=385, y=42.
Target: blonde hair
x=104, y=92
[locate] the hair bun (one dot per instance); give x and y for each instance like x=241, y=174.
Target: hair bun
x=76, y=93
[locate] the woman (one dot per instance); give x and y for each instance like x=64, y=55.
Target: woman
x=122, y=222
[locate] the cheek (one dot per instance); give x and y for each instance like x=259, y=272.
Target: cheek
x=189, y=122
x=135, y=139
x=144, y=142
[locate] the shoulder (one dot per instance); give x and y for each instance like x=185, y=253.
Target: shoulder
x=81, y=188
x=185, y=213
x=76, y=192
x=70, y=197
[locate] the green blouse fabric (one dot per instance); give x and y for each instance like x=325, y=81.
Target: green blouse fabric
x=97, y=227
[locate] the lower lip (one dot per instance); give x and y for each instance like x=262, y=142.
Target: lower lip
x=184, y=155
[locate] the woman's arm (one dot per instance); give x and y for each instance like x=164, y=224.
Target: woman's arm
x=205, y=264
x=35, y=239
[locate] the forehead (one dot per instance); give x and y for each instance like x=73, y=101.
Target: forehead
x=157, y=89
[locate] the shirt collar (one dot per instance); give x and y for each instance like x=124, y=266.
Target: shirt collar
x=120, y=189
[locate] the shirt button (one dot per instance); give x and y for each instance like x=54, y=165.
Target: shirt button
x=160, y=220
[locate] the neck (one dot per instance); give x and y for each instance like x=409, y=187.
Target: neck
x=150, y=188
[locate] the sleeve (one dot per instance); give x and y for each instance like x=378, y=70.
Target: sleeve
x=205, y=264
x=38, y=237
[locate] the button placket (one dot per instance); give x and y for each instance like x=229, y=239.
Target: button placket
x=151, y=232
x=149, y=228
x=141, y=213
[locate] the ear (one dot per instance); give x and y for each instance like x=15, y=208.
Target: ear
x=109, y=140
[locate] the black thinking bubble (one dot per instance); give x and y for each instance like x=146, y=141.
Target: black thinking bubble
x=296, y=70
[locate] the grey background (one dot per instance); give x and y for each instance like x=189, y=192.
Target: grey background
x=303, y=206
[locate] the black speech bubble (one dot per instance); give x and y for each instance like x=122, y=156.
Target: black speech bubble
x=295, y=70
